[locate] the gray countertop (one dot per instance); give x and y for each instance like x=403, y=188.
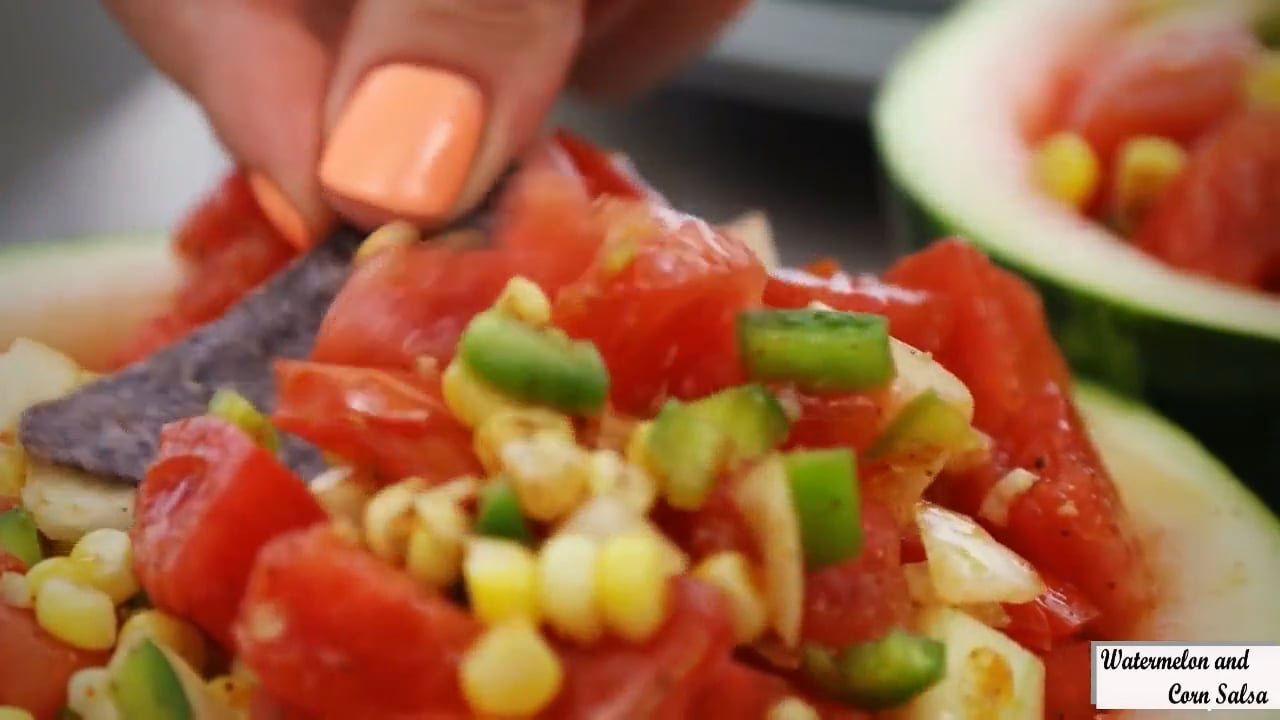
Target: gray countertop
x=93, y=141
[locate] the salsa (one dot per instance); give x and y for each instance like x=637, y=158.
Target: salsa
x=614, y=450
x=1168, y=133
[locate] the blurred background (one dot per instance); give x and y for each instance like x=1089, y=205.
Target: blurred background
x=774, y=118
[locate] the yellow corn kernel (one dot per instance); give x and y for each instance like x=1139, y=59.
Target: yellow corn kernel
x=399, y=233
x=793, y=709
x=1145, y=167
x=15, y=591
x=510, y=671
x=731, y=574
x=637, y=452
x=341, y=494
x=632, y=573
x=69, y=569
x=502, y=580
x=89, y=695
x=236, y=409
x=434, y=553
x=389, y=519
x=1067, y=169
x=548, y=474
x=13, y=469
x=1262, y=82
x=110, y=553
x=470, y=399
x=179, y=636
x=78, y=615
x=15, y=713
x=567, y=586
x=524, y=300
x=516, y=423
x=230, y=691
x=608, y=474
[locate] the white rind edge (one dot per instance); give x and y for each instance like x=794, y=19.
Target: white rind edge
x=85, y=296
x=1214, y=546
x=945, y=123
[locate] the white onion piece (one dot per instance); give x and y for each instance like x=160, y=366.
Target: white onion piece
x=917, y=372
x=967, y=565
x=764, y=497
x=920, y=589
x=1001, y=496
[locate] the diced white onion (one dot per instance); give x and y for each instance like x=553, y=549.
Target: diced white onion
x=764, y=497
x=1001, y=496
x=917, y=372
x=920, y=589
x=753, y=229
x=967, y=565
x=67, y=503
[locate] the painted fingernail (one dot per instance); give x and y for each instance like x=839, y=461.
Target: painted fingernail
x=405, y=141
x=283, y=214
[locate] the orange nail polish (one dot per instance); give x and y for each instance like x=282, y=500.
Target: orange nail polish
x=282, y=213
x=405, y=142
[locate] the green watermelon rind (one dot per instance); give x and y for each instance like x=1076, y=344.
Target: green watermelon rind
x=1220, y=380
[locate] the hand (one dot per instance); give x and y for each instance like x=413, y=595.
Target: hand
x=408, y=109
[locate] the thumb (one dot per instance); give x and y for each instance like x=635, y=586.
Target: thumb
x=431, y=100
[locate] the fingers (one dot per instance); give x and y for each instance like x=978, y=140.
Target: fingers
x=431, y=99
x=646, y=42
x=260, y=70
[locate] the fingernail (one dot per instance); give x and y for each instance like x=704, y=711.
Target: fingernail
x=405, y=142
x=282, y=213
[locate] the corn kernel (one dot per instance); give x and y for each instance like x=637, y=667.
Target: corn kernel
x=1144, y=170
x=524, y=300
x=236, y=409
x=548, y=473
x=182, y=638
x=567, y=586
x=1262, y=82
x=399, y=233
x=1067, y=169
x=389, y=519
x=516, y=423
x=83, y=617
x=632, y=576
x=607, y=474
x=502, y=580
x=341, y=494
x=793, y=709
x=731, y=574
x=470, y=399
x=15, y=713
x=70, y=569
x=510, y=671
x=13, y=469
x=110, y=553
x=15, y=591
x=89, y=695
x=637, y=452
x=434, y=552
x=230, y=691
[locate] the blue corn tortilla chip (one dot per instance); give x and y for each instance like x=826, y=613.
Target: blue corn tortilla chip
x=111, y=427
